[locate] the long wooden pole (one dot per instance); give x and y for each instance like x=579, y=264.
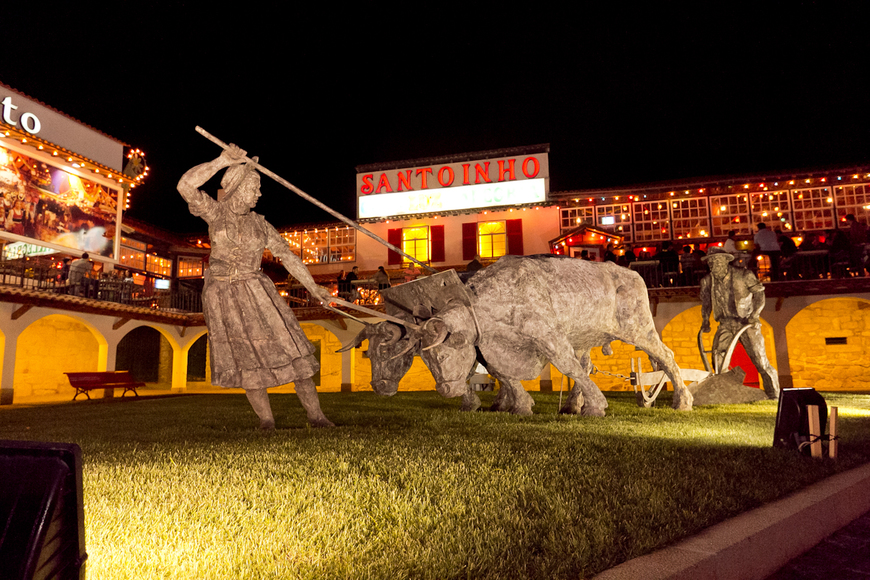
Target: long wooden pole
x=373, y=313
x=316, y=201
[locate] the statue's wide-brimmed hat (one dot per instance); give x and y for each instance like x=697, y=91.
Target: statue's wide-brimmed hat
x=717, y=254
x=235, y=175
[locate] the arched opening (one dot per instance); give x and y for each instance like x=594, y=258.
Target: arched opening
x=828, y=342
x=681, y=336
x=146, y=353
x=51, y=346
x=197, y=360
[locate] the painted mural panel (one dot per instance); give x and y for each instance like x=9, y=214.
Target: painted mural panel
x=48, y=204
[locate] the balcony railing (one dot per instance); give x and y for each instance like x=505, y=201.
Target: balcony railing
x=35, y=275
x=805, y=272
x=808, y=266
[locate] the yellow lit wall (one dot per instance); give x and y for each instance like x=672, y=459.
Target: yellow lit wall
x=831, y=366
x=418, y=377
x=330, y=361
x=48, y=348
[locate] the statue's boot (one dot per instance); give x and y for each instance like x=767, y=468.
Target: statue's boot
x=307, y=393
x=259, y=400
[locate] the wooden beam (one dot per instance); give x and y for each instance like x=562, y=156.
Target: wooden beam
x=119, y=322
x=21, y=311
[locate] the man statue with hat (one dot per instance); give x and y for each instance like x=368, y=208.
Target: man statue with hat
x=736, y=298
x=255, y=340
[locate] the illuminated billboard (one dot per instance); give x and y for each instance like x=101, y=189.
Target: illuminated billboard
x=48, y=204
x=504, y=177
x=453, y=199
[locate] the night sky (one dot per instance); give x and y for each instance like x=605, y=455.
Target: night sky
x=623, y=95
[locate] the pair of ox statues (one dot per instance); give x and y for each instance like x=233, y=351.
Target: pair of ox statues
x=522, y=313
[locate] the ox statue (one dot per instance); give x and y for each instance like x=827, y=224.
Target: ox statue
x=514, y=317
x=391, y=352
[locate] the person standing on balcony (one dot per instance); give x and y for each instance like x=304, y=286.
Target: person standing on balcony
x=78, y=271
x=735, y=297
x=730, y=244
x=349, y=280
x=381, y=278
x=255, y=340
x=767, y=244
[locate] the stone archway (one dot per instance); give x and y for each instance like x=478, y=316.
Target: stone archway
x=198, y=364
x=49, y=347
x=139, y=352
x=828, y=342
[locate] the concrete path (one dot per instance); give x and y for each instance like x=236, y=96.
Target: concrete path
x=843, y=555
x=760, y=543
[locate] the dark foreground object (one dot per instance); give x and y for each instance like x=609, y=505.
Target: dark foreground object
x=42, y=524
x=792, y=418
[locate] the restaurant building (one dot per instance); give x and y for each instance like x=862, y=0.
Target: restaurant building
x=64, y=187
x=444, y=211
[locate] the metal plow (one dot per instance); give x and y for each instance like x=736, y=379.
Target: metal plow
x=648, y=385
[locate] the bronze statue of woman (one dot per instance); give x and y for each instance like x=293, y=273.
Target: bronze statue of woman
x=255, y=340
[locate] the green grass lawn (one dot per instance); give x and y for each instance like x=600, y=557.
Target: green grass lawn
x=409, y=487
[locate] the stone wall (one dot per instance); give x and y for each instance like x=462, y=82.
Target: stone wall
x=330, y=361
x=839, y=363
x=47, y=349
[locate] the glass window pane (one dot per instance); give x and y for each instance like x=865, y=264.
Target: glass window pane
x=813, y=209
x=415, y=242
x=730, y=212
x=491, y=239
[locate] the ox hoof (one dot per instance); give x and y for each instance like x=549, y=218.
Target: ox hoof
x=525, y=411
x=470, y=402
x=323, y=422
x=267, y=425
x=570, y=410
x=682, y=403
x=468, y=407
x=593, y=412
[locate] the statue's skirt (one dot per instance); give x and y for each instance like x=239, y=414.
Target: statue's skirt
x=255, y=340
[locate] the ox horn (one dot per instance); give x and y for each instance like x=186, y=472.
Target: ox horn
x=435, y=332
x=357, y=340
x=393, y=333
x=411, y=344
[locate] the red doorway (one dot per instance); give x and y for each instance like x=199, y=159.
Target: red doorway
x=741, y=359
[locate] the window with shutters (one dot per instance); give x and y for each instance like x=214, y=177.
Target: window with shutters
x=491, y=239
x=415, y=242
